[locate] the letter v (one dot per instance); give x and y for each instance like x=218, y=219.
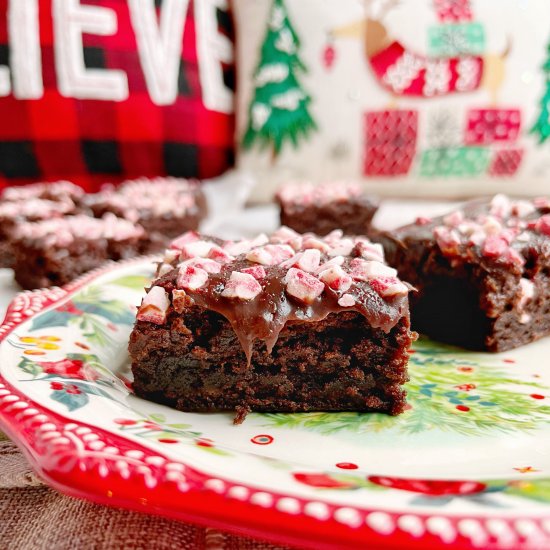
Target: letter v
x=159, y=45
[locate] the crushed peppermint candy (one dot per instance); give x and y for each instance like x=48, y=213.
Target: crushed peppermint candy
x=242, y=285
x=191, y=277
x=494, y=231
x=336, y=278
x=154, y=306
x=307, y=265
x=157, y=196
x=303, y=286
x=324, y=193
x=64, y=231
x=36, y=209
x=58, y=190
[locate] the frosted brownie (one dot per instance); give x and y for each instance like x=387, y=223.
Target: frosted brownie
x=164, y=207
x=482, y=272
x=54, y=252
x=55, y=191
x=286, y=323
x=14, y=214
x=323, y=208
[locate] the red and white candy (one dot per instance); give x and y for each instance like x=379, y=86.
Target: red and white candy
x=191, y=277
x=366, y=270
x=242, y=286
x=154, y=306
x=336, y=278
x=270, y=254
x=303, y=286
x=210, y=266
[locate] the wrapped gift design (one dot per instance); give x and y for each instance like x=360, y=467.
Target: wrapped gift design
x=456, y=39
x=390, y=142
x=454, y=162
x=453, y=10
x=505, y=162
x=488, y=126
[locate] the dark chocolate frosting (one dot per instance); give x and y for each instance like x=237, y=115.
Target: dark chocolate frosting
x=347, y=274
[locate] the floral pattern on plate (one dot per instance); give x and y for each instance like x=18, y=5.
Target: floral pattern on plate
x=475, y=439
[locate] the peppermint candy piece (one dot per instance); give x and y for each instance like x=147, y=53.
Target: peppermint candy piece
x=309, y=260
x=543, y=225
x=270, y=254
x=210, y=266
x=363, y=270
x=257, y=271
x=347, y=300
x=191, y=277
x=242, y=286
x=186, y=238
x=388, y=287
x=303, y=286
x=336, y=278
x=154, y=306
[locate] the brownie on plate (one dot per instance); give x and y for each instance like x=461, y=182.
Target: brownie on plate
x=14, y=214
x=164, y=207
x=54, y=252
x=287, y=323
x=323, y=208
x=55, y=191
x=482, y=272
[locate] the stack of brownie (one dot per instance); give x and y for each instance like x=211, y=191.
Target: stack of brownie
x=286, y=323
x=51, y=233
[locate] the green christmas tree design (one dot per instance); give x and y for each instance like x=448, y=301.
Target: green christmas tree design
x=279, y=109
x=542, y=125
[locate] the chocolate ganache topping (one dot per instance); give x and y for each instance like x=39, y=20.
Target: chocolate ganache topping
x=259, y=285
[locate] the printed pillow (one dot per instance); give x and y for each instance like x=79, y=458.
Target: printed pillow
x=105, y=90
x=412, y=97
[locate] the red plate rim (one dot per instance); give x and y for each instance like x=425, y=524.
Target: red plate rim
x=90, y=463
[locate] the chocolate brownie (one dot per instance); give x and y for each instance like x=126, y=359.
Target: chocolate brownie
x=482, y=272
x=63, y=191
x=289, y=323
x=13, y=214
x=54, y=252
x=164, y=207
x=323, y=208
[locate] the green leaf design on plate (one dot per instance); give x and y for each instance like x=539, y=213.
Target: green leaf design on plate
x=450, y=390
x=30, y=367
x=133, y=282
x=52, y=318
x=160, y=418
x=72, y=401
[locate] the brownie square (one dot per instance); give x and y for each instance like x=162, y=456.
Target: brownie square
x=15, y=213
x=323, y=208
x=286, y=323
x=59, y=191
x=164, y=207
x=482, y=272
x=54, y=252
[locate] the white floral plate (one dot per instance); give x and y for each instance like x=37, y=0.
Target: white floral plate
x=468, y=463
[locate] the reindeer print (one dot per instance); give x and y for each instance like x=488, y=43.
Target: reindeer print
x=408, y=73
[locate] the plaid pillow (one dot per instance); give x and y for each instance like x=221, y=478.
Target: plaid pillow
x=105, y=90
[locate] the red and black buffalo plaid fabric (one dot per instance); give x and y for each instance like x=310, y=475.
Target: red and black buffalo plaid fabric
x=92, y=141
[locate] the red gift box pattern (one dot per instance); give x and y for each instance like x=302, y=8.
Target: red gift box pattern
x=390, y=142
x=453, y=11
